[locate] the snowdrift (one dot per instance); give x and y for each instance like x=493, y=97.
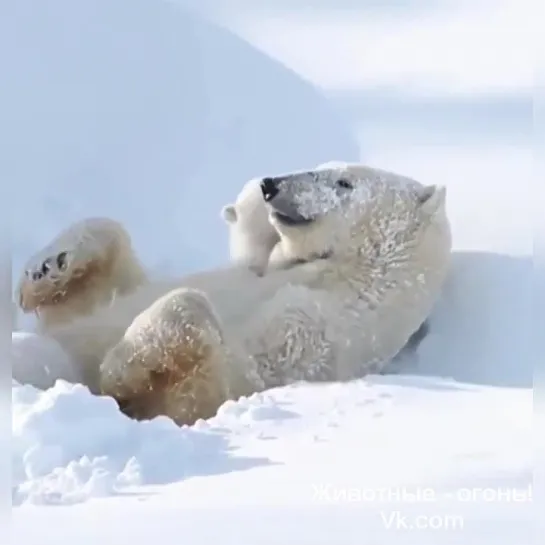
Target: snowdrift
x=70, y=446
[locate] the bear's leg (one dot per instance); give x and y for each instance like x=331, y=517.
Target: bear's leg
x=172, y=361
x=84, y=267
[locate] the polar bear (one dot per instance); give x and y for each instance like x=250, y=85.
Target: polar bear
x=368, y=251
x=363, y=267
x=84, y=267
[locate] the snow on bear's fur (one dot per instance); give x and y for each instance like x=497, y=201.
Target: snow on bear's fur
x=366, y=254
x=253, y=240
x=252, y=235
x=83, y=268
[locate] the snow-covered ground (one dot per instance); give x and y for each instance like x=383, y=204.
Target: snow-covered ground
x=116, y=98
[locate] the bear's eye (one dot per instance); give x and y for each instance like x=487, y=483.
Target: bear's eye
x=345, y=184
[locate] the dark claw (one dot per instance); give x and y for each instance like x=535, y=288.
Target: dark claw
x=46, y=266
x=62, y=261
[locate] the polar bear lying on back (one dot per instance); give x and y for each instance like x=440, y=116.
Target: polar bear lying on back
x=367, y=254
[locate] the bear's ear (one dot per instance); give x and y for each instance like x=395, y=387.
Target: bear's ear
x=431, y=197
x=229, y=213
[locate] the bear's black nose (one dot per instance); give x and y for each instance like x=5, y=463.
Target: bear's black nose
x=269, y=188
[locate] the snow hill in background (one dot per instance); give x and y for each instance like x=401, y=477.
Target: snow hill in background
x=141, y=111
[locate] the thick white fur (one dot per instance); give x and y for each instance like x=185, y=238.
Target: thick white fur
x=252, y=234
x=98, y=264
x=377, y=260
x=253, y=240
x=233, y=291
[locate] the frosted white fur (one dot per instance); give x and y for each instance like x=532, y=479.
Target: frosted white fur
x=99, y=264
x=375, y=259
x=233, y=291
x=253, y=240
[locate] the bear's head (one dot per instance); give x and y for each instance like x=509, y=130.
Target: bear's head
x=253, y=239
x=349, y=210
x=251, y=236
x=84, y=266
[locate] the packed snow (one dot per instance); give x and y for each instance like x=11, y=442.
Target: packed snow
x=145, y=112
x=325, y=457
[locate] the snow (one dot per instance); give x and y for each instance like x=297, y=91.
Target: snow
x=299, y=454
x=40, y=361
x=70, y=446
x=135, y=95
x=364, y=45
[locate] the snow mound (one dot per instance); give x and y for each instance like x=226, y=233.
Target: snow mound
x=123, y=106
x=69, y=446
x=481, y=328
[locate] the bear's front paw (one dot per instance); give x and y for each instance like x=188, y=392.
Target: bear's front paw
x=45, y=281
